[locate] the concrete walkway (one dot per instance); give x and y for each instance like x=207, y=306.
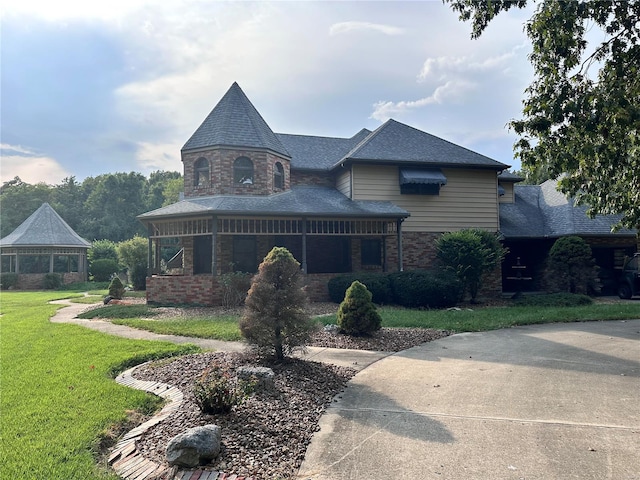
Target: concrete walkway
x=558, y=401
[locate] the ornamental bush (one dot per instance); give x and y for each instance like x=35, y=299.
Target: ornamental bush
x=101, y=270
x=217, y=391
x=275, y=319
x=235, y=286
x=377, y=283
x=470, y=254
x=571, y=267
x=357, y=315
x=8, y=280
x=425, y=288
x=116, y=288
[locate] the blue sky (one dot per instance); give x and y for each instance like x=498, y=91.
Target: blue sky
x=91, y=88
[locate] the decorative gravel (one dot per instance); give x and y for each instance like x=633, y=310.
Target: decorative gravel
x=266, y=437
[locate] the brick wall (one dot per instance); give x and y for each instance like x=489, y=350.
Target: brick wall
x=35, y=281
x=221, y=173
x=312, y=178
x=176, y=290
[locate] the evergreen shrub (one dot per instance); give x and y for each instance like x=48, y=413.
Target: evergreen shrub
x=102, y=269
x=425, y=289
x=235, y=286
x=571, y=267
x=116, y=288
x=357, y=315
x=138, y=277
x=275, y=319
x=8, y=280
x=377, y=283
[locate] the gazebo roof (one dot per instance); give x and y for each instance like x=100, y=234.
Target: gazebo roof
x=44, y=228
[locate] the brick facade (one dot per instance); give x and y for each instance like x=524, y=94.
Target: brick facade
x=35, y=281
x=221, y=182
x=183, y=289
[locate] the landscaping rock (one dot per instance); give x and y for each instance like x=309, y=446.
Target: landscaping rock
x=196, y=446
x=263, y=375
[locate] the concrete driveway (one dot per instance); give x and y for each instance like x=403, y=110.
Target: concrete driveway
x=559, y=401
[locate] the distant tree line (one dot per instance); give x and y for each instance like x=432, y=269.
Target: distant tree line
x=101, y=207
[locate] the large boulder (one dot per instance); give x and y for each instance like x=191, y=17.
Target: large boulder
x=263, y=376
x=196, y=446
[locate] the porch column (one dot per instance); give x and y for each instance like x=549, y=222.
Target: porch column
x=304, y=245
x=214, y=241
x=51, y=262
x=399, y=230
x=149, y=252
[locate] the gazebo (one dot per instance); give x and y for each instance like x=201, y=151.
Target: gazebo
x=44, y=243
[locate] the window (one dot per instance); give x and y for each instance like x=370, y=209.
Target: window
x=245, y=254
x=243, y=171
x=421, y=181
x=278, y=176
x=370, y=251
x=201, y=172
x=202, y=254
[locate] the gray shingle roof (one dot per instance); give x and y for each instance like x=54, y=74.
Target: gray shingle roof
x=318, y=153
x=300, y=200
x=44, y=227
x=399, y=143
x=235, y=122
x=542, y=211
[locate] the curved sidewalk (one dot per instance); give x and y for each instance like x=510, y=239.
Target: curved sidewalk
x=357, y=359
x=555, y=401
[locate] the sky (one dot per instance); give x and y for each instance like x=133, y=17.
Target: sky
x=91, y=87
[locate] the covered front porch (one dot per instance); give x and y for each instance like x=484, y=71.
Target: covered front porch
x=187, y=256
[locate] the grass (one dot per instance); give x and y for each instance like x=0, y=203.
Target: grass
x=219, y=328
x=58, y=395
x=541, y=309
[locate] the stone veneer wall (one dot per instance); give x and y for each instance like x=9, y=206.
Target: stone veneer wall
x=221, y=173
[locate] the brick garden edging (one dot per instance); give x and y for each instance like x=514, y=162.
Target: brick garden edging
x=129, y=463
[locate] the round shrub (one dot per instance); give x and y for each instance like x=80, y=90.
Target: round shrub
x=571, y=267
x=357, y=315
x=102, y=269
x=377, y=283
x=8, y=280
x=425, y=289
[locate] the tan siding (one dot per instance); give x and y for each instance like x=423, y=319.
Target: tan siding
x=343, y=183
x=468, y=200
x=508, y=196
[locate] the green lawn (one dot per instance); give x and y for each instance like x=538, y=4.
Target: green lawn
x=463, y=320
x=57, y=393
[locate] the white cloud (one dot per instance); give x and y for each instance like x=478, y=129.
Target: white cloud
x=348, y=27
x=158, y=156
x=31, y=167
x=453, y=91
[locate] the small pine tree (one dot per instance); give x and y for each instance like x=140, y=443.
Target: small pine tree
x=116, y=288
x=357, y=315
x=275, y=318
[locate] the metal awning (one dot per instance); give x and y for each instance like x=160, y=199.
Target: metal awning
x=422, y=176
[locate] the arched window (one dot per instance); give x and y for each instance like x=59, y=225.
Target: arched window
x=278, y=176
x=243, y=171
x=201, y=172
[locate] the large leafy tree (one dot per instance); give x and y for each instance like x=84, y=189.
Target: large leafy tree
x=582, y=112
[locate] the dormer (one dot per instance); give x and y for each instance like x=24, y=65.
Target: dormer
x=234, y=152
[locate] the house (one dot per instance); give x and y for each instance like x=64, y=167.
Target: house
x=533, y=217
x=44, y=243
x=376, y=201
